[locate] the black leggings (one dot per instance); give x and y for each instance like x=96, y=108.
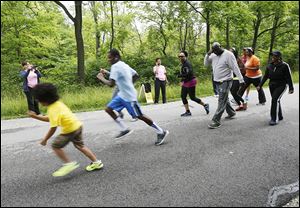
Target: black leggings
x=192, y=93
x=234, y=92
x=33, y=104
x=276, y=93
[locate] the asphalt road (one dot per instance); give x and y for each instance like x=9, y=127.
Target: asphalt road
x=235, y=165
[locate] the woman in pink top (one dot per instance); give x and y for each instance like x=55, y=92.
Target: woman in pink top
x=31, y=77
x=160, y=80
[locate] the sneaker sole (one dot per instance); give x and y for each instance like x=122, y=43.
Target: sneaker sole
x=123, y=135
x=75, y=167
x=167, y=133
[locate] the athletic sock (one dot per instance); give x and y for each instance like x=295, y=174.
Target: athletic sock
x=157, y=128
x=121, y=124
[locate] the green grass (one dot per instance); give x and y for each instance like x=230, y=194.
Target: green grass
x=96, y=98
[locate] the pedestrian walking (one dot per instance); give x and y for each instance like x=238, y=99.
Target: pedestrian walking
x=224, y=64
x=279, y=74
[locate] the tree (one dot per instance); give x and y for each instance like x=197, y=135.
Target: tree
x=77, y=20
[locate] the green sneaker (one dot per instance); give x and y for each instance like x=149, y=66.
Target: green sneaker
x=65, y=169
x=94, y=166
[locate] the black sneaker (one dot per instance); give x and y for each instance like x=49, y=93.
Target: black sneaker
x=123, y=133
x=186, y=114
x=214, y=125
x=260, y=104
x=272, y=123
x=161, y=137
x=206, y=107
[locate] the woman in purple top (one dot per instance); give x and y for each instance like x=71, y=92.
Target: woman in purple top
x=31, y=77
x=188, y=84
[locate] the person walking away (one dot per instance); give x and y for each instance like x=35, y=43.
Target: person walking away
x=160, y=81
x=224, y=64
x=58, y=114
x=279, y=74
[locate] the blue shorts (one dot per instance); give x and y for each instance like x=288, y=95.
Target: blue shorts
x=118, y=104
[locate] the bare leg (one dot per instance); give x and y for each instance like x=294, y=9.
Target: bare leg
x=87, y=152
x=187, y=109
x=61, y=154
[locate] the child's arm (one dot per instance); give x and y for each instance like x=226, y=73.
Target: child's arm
x=48, y=135
x=38, y=117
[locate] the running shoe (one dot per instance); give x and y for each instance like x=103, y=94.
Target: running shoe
x=94, y=166
x=66, y=169
x=123, y=133
x=186, y=114
x=214, y=125
x=161, y=137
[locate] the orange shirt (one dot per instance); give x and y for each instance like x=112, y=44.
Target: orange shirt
x=253, y=61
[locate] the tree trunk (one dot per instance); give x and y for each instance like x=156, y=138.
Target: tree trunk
x=112, y=25
x=78, y=35
x=97, y=32
x=227, y=32
x=207, y=31
x=185, y=35
x=256, y=29
x=273, y=34
x=79, y=40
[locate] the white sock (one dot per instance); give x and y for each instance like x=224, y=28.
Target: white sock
x=121, y=124
x=157, y=128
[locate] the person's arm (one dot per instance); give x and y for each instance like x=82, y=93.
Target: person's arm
x=109, y=82
x=207, y=59
x=48, y=136
x=232, y=62
x=38, y=117
x=288, y=78
x=24, y=73
x=264, y=79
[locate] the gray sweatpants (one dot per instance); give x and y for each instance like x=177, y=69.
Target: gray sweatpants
x=223, y=102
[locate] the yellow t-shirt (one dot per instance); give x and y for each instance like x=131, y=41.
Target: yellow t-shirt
x=253, y=61
x=60, y=115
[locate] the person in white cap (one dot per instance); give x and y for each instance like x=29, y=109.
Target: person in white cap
x=224, y=64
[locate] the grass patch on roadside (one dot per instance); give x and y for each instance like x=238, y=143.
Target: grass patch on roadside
x=96, y=98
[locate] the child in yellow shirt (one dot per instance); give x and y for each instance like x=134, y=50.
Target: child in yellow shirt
x=58, y=114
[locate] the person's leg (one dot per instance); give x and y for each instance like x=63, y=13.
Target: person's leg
x=276, y=93
x=117, y=104
x=58, y=143
x=243, y=88
x=30, y=101
x=156, y=90
x=35, y=103
x=184, y=93
x=261, y=93
x=223, y=102
x=247, y=93
x=215, y=86
x=163, y=91
x=233, y=90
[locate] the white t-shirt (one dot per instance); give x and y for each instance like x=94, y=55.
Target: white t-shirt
x=122, y=74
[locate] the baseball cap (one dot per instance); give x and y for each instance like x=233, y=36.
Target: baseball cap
x=276, y=53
